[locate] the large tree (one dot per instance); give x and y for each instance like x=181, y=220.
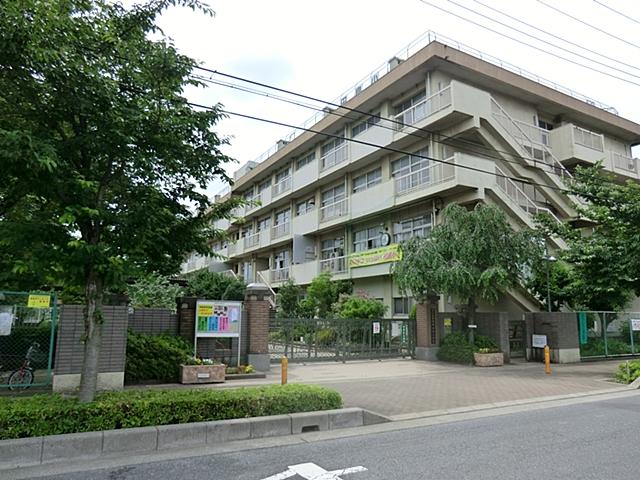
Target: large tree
x=471, y=254
x=104, y=162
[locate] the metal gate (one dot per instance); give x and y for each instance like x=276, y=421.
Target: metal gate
x=27, y=338
x=338, y=339
x=608, y=334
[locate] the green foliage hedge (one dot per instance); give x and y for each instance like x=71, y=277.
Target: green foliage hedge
x=155, y=357
x=456, y=348
x=627, y=373
x=595, y=347
x=53, y=414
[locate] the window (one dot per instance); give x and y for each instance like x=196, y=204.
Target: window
x=410, y=164
x=282, y=260
x=333, y=195
x=247, y=231
x=366, y=239
x=283, y=175
x=248, y=195
x=367, y=180
x=402, y=305
x=305, y=160
x=333, y=152
x=283, y=216
x=407, y=104
x=366, y=124
x=544, y=124
x=305, y=206
x=264, y=185
x=332, y=248
x=412, y=227
x=264, y=224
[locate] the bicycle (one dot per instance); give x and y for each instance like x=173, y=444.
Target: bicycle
x=22, y=378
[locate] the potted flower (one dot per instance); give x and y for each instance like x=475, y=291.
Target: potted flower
x=202, y=370
x=488, y=357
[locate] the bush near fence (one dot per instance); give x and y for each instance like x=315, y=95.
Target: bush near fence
x=155, y=357
x=628, y=371
x=456, y=348
x=53, y=414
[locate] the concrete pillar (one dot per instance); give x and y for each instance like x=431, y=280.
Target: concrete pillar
x=427, y=329
x=258, y=308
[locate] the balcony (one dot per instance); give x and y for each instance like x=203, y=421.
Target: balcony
x=334, y=157
x=432, y=174
x=280, y=230
x=427, y=107
x=281, y=187
x=251, y=241
x=279, y=275
x=572, y=144
x=623, y=164
x=334, y=210
x=334, y=265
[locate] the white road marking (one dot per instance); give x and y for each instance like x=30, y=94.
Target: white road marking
x=311, y=471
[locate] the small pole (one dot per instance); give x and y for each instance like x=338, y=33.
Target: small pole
x=284, y=366
x=547, y=360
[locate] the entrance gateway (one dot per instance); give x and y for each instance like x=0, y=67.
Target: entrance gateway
x=27, y=332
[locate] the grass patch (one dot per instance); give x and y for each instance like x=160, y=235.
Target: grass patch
x=628, y=371
x=54, y=414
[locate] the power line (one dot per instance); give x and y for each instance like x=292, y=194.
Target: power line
x=617, y=11
x=555, y=36
x=588, y=24
x=383, y=147
x=414, y=133
x=589, y=59
x=529, y=45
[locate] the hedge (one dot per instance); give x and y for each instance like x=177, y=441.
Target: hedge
x=53, y=414
x=155, y=357
x=456, y=348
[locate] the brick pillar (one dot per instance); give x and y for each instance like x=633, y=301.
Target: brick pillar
x=427, y=328
x=258, y=308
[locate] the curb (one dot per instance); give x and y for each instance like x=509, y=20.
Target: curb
x=34, y=451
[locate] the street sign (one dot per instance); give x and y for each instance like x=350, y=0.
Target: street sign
x=635, y=324
x=538, y=341
x=311, y=471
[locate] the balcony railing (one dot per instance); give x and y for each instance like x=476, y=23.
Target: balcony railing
x=282, y=186
x=334, y=210
x=515, y=193
x=251, y=240
x=334, y=265
x=280, y=230
x=536, y=134
x=279, y=274
x=623, y=162
x=588, y=139
x=430, y=175
x=334, y=157
x=421, y=110
x=231, y=249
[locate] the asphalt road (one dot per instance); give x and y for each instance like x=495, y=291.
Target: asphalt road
x=597, y=440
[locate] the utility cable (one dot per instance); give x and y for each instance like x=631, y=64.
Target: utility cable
x=558, y=37
x=588, y=24
x=529, y=44
x=617, y=11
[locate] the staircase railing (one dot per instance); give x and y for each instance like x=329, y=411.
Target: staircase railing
x=272, y=299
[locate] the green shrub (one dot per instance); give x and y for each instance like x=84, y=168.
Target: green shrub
x=456, y=348
x=628, y=371
x=595, y=347
x=215, y=286
x=155, y=357
x=154, y=291
x=326, y=336
x=53, y=414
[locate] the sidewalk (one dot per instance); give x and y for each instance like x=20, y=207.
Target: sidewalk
x=403, y=388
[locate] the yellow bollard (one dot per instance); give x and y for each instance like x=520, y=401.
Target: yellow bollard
x=284, y=367
x=547, y=360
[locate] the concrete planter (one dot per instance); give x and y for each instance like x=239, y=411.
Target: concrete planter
x=202, y=373
x=488, y=359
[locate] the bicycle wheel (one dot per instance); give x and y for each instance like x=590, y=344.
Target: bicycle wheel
x=22, y=378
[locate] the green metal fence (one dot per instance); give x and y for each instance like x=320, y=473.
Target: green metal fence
x=306, y=340
x=27, y=338
x=608, y=334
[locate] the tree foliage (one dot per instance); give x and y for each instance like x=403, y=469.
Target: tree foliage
x=103, y=159
x=359, y=306
x=471, y=254
x=288, y=301
x=215, y=286
x=603, y=259
x=154, y=291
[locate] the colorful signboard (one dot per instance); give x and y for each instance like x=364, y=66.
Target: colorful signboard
x=375, y=256
x=218, y=318
x=39, y=301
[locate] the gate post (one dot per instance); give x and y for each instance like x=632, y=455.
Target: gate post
x=427, y=328
x=257, y=303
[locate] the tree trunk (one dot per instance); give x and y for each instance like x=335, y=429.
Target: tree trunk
x=471, y=319
x=92, y=337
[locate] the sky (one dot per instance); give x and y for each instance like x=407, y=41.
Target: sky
x=324, y=48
